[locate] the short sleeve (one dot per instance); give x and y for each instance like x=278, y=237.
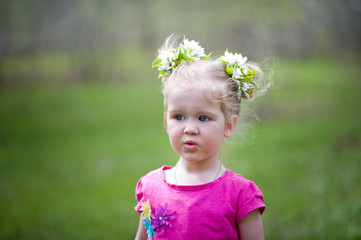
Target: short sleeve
x=250, y=198
x=139, y=195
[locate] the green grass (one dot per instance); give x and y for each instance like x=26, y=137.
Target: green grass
x=70, y=156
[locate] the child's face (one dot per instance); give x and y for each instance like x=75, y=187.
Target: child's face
x=196, y=126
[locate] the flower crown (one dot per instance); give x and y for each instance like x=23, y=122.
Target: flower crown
x=191, y=50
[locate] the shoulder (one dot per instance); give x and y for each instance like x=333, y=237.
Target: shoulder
x=153, y=176
x=152, y=180
x=153, y=173
x=237, y=181
x=243, y=187
x=249, y=196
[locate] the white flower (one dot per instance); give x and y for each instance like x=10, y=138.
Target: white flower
x=240, y=73
x=246, y=86
x=232, y=59
x=167, y=60
x=198, y=53
x=190, y=44
x=228, y=58
x=193, y=49
x=166, y=65
x=239, y=59
x=245, y=71
x=237, y=73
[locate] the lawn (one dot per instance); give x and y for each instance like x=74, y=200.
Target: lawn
x=71, y=155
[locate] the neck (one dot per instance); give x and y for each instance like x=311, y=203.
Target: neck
x=188, y=173
x=198, y=167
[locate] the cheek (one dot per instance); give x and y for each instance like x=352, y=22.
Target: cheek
x=175, y=140
x=214, y=134
x=174, y=131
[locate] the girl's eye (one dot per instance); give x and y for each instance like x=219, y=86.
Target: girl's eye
x=203, y=118
x=179, y=117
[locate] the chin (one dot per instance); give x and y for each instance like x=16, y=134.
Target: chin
x=192, y=159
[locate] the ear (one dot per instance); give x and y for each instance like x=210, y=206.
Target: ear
x=165, y=121
x=231, y=125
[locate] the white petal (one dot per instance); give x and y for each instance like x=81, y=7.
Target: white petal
x=237, y=73
x=245, y=71
x=246, y=94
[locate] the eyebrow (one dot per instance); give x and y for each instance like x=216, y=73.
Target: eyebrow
x=201, y=112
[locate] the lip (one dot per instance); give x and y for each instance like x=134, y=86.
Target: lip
x=190, y=145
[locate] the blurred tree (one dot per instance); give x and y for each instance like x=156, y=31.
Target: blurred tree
x=294, y=29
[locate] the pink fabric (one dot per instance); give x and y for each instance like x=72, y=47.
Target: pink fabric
x=208, y=211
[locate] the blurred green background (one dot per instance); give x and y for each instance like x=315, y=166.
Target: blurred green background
x=81, y=111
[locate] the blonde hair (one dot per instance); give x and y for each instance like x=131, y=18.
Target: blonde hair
x=209, y=77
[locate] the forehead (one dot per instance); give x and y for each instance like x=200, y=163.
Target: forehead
x=181, y=99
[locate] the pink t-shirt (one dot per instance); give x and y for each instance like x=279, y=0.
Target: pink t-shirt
x=208, y=211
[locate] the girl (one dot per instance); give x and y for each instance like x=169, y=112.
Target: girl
x=199, y=198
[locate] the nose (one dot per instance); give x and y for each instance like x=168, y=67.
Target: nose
x=190, y=128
